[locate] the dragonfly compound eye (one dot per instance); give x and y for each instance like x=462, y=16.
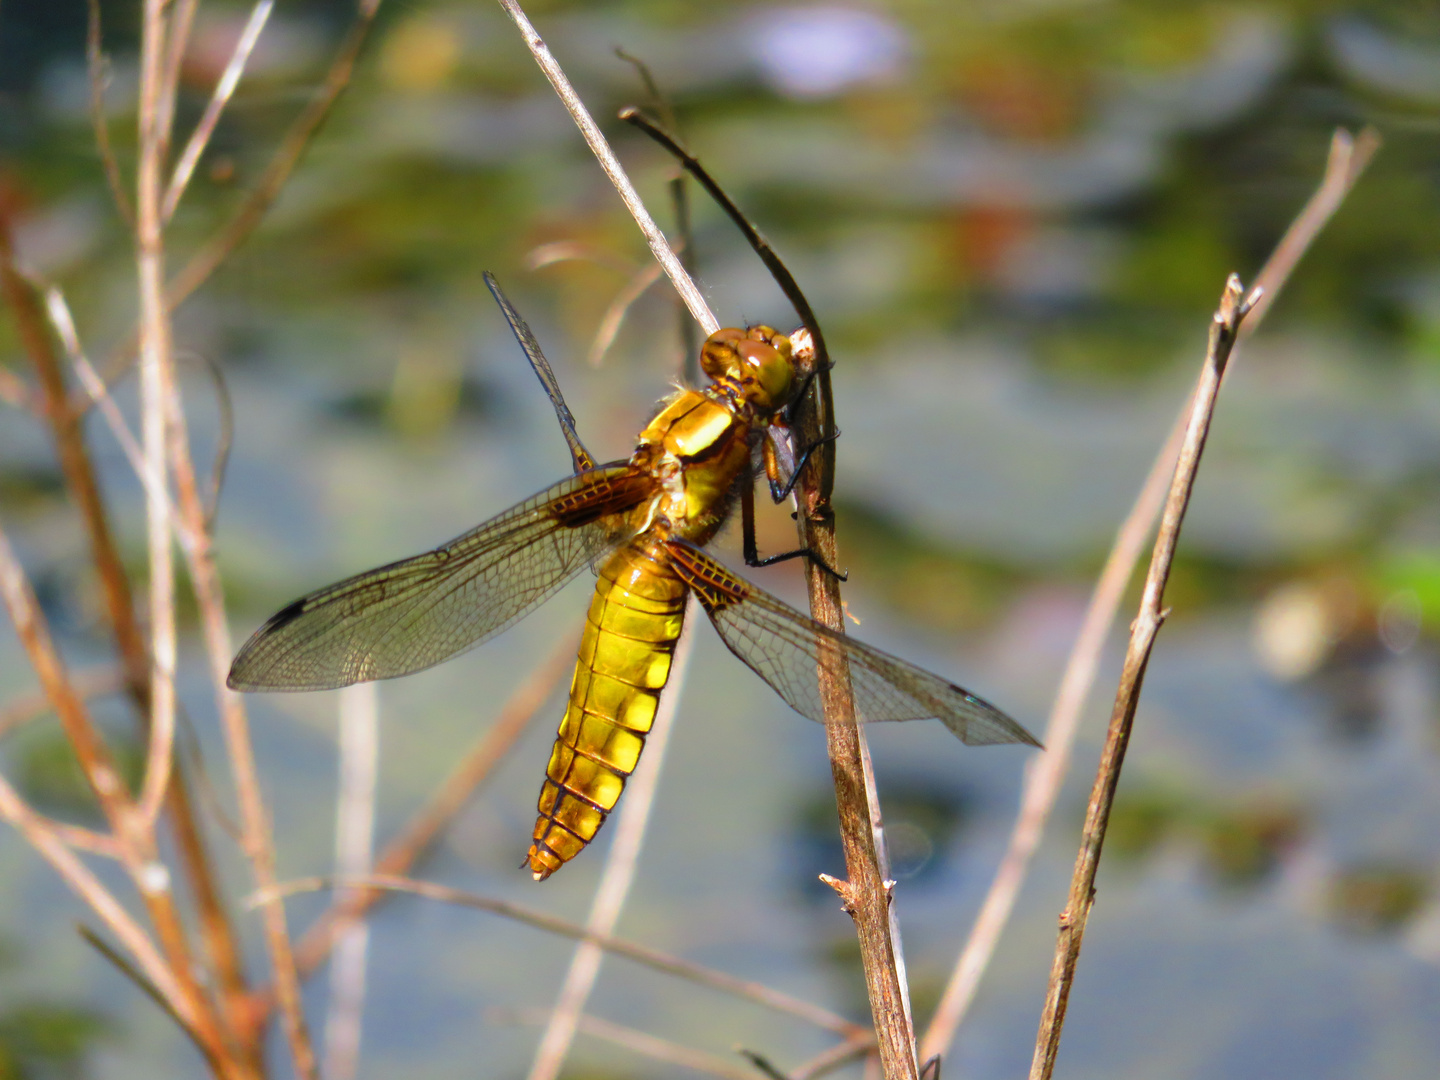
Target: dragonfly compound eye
x=718, y=357
x=767, y=373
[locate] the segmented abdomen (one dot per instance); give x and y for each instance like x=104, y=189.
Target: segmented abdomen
x=625, y=653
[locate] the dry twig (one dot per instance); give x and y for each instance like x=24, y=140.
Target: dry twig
x=1223, y=332
x=19, y=711
x=97, y=65
x=223, y=243
x=354, y=837
x=640, y=954
x=1044, y=775
x=613, y=169
x=640, y=1042
x=224, y=88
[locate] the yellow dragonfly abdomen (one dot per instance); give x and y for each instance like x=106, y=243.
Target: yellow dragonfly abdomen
x=625, y=652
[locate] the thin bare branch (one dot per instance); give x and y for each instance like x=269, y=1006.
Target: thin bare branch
x=1223, y=332
x=89, y=888
x=83, y=839
x=614, y=316
x=1349, y=155
x=176, y=38
x=219, y=936
x=287, y=155
x=619, y=874
x=224, y=89
x=558, y=251
x=155, y=373
x=613, y=169
x=251, y=212
x=254, y=820
x=64, y=324
x=98, y=67
x=135, y=843
x=837, y=1057
x=640, y=954
x=65, y=428
x=651, y=1046
x=1044, y=775
x=354, y=838
x=96, y=682
x=15, y=393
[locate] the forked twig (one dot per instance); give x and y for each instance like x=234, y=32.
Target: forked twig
x=1044, y=775
x=223, y=243
x=618, y=875
x=654, y=959
x=89, y=888
x=218, y=932
x=1223, y=332
x=134, y=844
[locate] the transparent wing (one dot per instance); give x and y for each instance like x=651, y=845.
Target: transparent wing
x=414, y=613
x=784, y=648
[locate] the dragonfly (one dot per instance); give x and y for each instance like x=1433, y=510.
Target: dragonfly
x=641, y=525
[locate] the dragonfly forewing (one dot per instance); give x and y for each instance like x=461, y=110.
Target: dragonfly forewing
x=412, y=614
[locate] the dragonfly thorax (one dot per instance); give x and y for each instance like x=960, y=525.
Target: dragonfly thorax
x=755, y=364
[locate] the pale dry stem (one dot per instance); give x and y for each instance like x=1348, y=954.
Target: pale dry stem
x=354, y=839
x=1223, y=332
x=96, y=64
x=223, y=243
x=614, y=316
x=1045, y=775
x=667, y=258
x=651, y=1046
x=224, y=89
x=655, y=959
x=107, y=909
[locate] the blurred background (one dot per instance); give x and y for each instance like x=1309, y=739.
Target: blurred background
x=1014, y=221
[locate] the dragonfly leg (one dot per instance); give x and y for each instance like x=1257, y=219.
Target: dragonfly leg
x=752, y=548
x=780, y=492
x=792, y=409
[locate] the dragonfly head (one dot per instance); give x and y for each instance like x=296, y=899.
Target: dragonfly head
x=758, y=360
